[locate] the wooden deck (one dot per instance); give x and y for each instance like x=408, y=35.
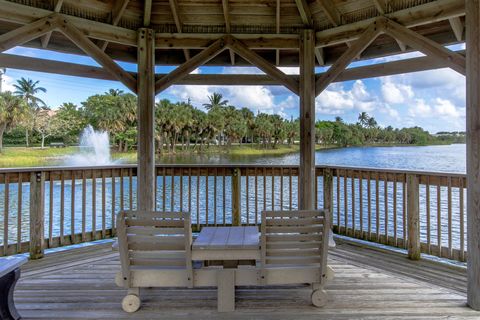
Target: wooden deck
x=78, y=284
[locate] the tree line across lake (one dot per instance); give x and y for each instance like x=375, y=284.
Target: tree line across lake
x=25, y=120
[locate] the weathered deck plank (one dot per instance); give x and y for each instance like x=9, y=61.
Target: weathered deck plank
x=368, y=284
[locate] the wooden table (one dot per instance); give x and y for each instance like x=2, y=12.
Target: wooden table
x=226, y=244
x=9, y=274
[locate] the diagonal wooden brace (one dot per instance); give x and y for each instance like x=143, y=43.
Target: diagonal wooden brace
x=28, y=32
x=90, y=48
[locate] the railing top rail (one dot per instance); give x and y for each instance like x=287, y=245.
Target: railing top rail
x=230, y=166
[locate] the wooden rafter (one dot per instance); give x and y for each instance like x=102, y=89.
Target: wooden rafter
x=423, y=14
x=305, y=12
x=178, y=23
x=79, y=38
x=356, y=49
x=330, y=11
x=401, y=45
x=457, y=27
x=425, y=45
x=381, y=6
x=201, y=58
x=355, y=73
x=46, y=37
x=118, y=9
x=243, y=51
x=28, y=32
x=147, y=13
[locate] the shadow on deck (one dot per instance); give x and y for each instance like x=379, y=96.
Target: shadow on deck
x=368, y=284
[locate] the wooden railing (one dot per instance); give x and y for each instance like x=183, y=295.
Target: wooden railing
x=51, y=207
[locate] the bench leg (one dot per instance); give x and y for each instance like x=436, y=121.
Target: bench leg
x=7, y=285
x=226, y=290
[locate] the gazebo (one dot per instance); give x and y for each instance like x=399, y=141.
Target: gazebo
x=267, y=34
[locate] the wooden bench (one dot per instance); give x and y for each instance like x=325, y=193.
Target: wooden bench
x=57, y=145
x=9, y=274
x=294, y=249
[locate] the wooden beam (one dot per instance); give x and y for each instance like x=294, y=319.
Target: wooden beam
x=473, y=152
x=419, y=15
x=305, y=12
x=189, y=41
x=425, y=45
x=184, y=69
x=79, y=38
x=22, y=14
x=226, y=16
x=46, y=37
x=178, y=24
x=319, y=55
x=457, y=27
x=401, y=45
x=381, y=6
x=277, y=27
x=306, y=176
x=116, y=14
x=356, y=49
x=28, y=32
x=330, y=11
x=356, y=73
x=147, y=12
x=256, y=60
x=146, y=176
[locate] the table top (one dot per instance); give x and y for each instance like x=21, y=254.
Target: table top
x=8, y=264
x=232, y=238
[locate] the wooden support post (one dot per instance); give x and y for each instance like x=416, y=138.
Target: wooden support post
x=473, y=152
x=413, y=217
x=306, y=183
x=328, y=190
x=37, y=214
x=146, y=128
x=236, y=197
x=226, y=290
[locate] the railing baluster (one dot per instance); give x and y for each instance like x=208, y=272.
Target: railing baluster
x=122, y=191
x=62, y=207
x=273, y=188
x=5, y=214
x=190, y=191
x=156, y=189
x=377, y=209
x=316, y=191
x=449, y=203
x=72, y=209
x=198, y=198
x=345, y=201
x=104, y=208
x=215, y=198
x=395, y=236
x=462, y=221
x=385, y=200
x=439, y=221
x=290, y=185
x=164, y=189
x=224, y=196
x=360, y=191
x=206, y=196
x=256, y=197
x=114, y=208
x=264, y=189
x=427, y=197
x=404, y=210
x=130, y=189
x=172, y=189
x=369, y=204
x=94, y=205
x=281, y=189
x=50, y=211
x=181, y=189
x=353, y=202
x=84, y=206
x=247, y=196
x=338, y=201
x=19, y=213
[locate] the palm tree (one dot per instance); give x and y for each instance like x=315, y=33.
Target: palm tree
x=12, y=111
x=114, y=92
x=215, y=100
x=363, y=119
x=28, y=90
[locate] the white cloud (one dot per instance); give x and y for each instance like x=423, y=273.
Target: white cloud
x=395, y=92
x=7, y=83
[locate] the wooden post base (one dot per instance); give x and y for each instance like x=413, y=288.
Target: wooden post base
x=226, y=290
x=7, y=285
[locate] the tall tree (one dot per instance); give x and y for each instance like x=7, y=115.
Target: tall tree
x=363, y=119
x=12, y=112
x=28, y=90
x=215, y=100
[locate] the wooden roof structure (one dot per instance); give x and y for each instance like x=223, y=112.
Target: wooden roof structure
x=264, y=33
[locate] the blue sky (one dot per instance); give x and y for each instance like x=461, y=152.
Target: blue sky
x=432, y=99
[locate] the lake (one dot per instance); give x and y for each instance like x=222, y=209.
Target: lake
x=443, y=158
